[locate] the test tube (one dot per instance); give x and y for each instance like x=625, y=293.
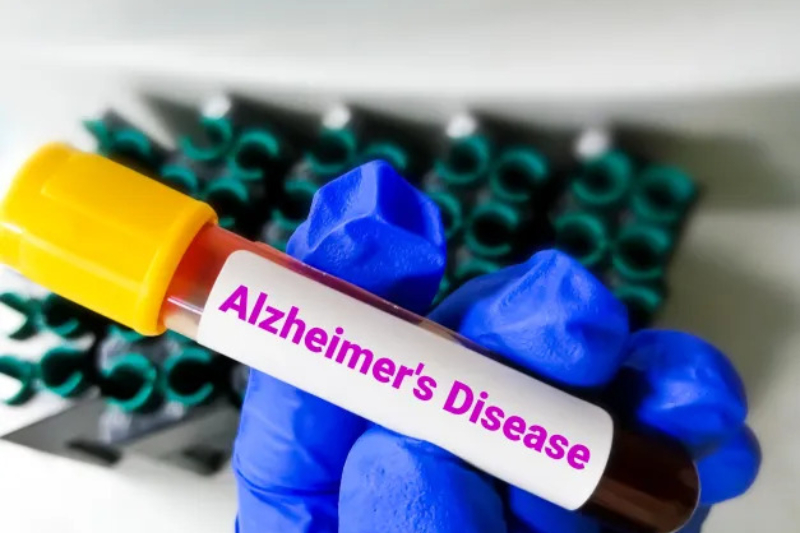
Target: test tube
x=334, y=340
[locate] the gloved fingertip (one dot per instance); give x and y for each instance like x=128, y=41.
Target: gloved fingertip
x=372, y=228
x=531, y=514
x=265, y=510
x=309, y=457
x=685, y=388
x=394, y=484
x=731, y=469
x=549, y=315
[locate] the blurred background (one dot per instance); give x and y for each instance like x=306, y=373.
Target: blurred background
x=711, y=87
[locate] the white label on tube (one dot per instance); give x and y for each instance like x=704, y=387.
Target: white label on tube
x=407, y=379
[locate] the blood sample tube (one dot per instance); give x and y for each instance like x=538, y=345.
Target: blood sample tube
x=152, y=259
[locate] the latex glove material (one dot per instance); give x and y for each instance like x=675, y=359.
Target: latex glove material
x=303, y=465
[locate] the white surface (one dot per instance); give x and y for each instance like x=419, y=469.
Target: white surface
x=47, y=494
x=712, y=85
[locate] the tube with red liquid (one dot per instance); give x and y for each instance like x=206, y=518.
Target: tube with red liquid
x=153, y=258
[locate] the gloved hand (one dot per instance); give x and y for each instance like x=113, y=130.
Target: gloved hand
x=304, y=465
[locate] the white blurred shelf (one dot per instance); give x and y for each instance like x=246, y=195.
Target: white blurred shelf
x=469, y=47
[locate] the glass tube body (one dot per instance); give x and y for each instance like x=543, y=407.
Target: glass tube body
x=648, y=486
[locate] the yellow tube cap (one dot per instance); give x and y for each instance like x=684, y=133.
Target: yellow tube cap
x=98, y=233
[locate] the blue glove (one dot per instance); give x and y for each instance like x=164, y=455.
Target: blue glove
x=304, y=465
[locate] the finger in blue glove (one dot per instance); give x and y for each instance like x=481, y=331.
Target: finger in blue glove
x=731, y=469
x=396, y=484
x=524, y=313
x=685, y=388
x=371, y=228
x=548, y=315
x=679, y=385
